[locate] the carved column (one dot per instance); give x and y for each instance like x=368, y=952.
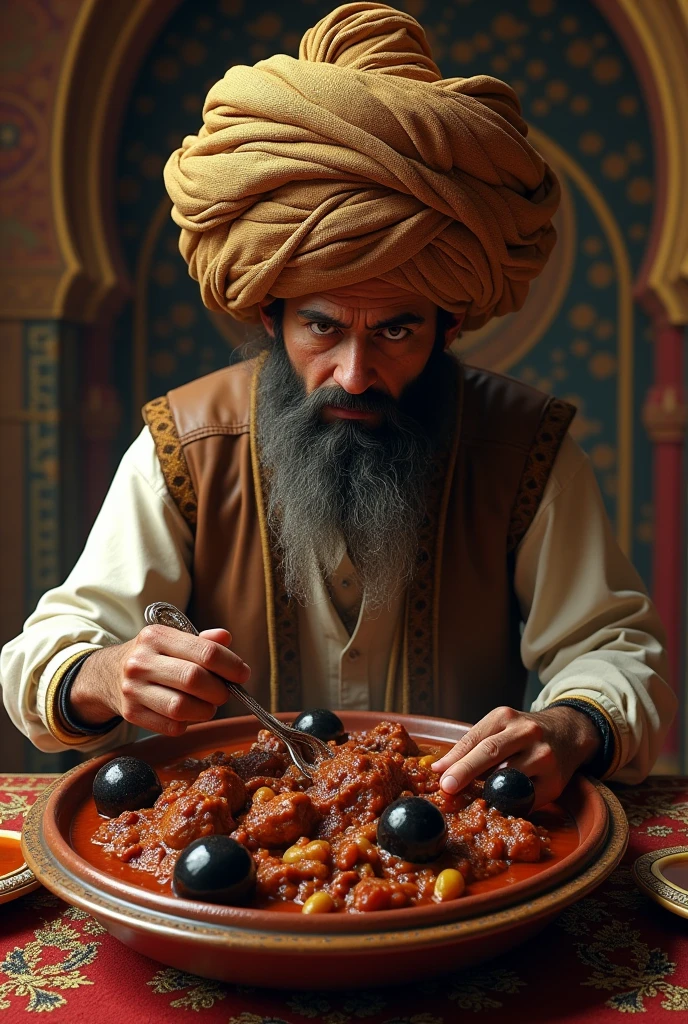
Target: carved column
x=665, y=415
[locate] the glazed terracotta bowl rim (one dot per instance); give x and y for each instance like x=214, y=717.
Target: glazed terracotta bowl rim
x=581, y=794
x=223, y=936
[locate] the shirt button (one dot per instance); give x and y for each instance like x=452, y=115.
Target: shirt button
x=353, y=654
x=346, y=582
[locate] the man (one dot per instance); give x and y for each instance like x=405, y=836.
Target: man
x=378, y=526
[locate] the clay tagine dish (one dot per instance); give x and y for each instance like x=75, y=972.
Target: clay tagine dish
x=234, y=866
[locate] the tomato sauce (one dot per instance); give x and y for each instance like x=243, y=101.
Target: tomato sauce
x=11, y=856
x=561, y=829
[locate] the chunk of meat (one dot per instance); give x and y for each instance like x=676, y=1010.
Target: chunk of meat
x=381, y=894
x=391, y=736
x=204, y=809
x=258, y=761
x=281, y=820
x=354, y=787
x=278, y=880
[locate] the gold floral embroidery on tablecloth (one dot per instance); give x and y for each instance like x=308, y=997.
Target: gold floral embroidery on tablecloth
x=90, y=925
x=42, y=983
x=656, y=799
x=639, y=975
x=202, y=994
x=327, y=1009
x=14, y=806
x=470, y=990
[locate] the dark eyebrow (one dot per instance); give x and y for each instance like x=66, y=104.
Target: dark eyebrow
x=400, y=320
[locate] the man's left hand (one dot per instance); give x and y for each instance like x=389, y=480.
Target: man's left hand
x=548, y=746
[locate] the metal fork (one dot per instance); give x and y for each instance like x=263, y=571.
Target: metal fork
x=161, y=613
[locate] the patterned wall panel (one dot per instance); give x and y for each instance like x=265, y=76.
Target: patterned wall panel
x=578, y=336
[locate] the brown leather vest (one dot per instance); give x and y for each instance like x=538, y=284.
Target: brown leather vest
x=459, y=653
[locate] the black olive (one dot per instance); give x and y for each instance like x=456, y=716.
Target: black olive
x=125, y=784
x=412, y=828
x=321, y=723
x=510, y=791
x=215, y=869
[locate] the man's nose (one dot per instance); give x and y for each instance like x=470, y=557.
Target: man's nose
x=355, y=371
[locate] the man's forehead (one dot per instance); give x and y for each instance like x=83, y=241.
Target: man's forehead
x=373, y=294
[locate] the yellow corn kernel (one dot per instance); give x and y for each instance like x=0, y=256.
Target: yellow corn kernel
x=318, y=903
x=293, y=854
x=427, y=760
x=364, y=845
x=449, y=885
x=319, y=849
x=263, y=793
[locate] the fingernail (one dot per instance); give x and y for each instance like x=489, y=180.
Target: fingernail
x=449, y=785
x=435, y=766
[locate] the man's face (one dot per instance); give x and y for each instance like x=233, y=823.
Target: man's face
x=368, y=336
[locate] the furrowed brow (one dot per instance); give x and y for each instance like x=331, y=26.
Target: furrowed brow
x=400, y=320
x=321, y=318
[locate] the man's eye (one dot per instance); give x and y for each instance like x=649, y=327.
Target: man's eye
x=321, y=329
x=395, y=333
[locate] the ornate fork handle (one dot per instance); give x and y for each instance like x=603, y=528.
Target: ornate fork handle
x=164, y=614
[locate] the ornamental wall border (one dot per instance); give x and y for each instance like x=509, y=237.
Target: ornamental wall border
x=105, y=50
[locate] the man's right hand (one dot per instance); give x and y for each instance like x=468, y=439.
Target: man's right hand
x=163, y=680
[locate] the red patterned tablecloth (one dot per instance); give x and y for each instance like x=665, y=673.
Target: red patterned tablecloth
x=615, y=952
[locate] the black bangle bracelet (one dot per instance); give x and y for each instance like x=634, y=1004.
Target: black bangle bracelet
x=63, y=703
x=604, y=757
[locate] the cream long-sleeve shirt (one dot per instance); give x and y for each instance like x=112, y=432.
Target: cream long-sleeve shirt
x=590, y=628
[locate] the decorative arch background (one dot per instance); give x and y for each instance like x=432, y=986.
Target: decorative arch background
x=579, y=335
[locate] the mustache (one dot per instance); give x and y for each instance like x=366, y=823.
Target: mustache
x=369, y=401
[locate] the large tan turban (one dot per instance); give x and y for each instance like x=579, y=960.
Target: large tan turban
x=358, y=161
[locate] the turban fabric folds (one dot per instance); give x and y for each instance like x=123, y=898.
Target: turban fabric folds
x=359, y=161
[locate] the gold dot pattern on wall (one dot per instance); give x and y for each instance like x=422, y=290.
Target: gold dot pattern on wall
x=579, y=53
x=610, y=485
x=615, y=166
x=556, y=90
x=582, y=316
x=183, y=314
x=536, y=69
x=580, y=347
x=627, y=106
x=592, y=246
x=604, y=330
x=640, y=190
x=607, y=70
x=591, y=143
x=637, y=232
x=541, y=8
x=645, y=533
x=603, y=456
x=600, y=275
x=569, y=25
x=602, y=365
x=507, y=27
x=166, y=69
x=579, y=105
x=193, y=52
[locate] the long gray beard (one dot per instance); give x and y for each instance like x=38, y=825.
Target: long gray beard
x=343, y=484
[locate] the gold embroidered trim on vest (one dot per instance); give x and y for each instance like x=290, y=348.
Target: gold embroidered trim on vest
x=420, y=678
x=282, y=615
x=614, y=766
x=158, y=416
x=551, y=431
x=57, y=727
